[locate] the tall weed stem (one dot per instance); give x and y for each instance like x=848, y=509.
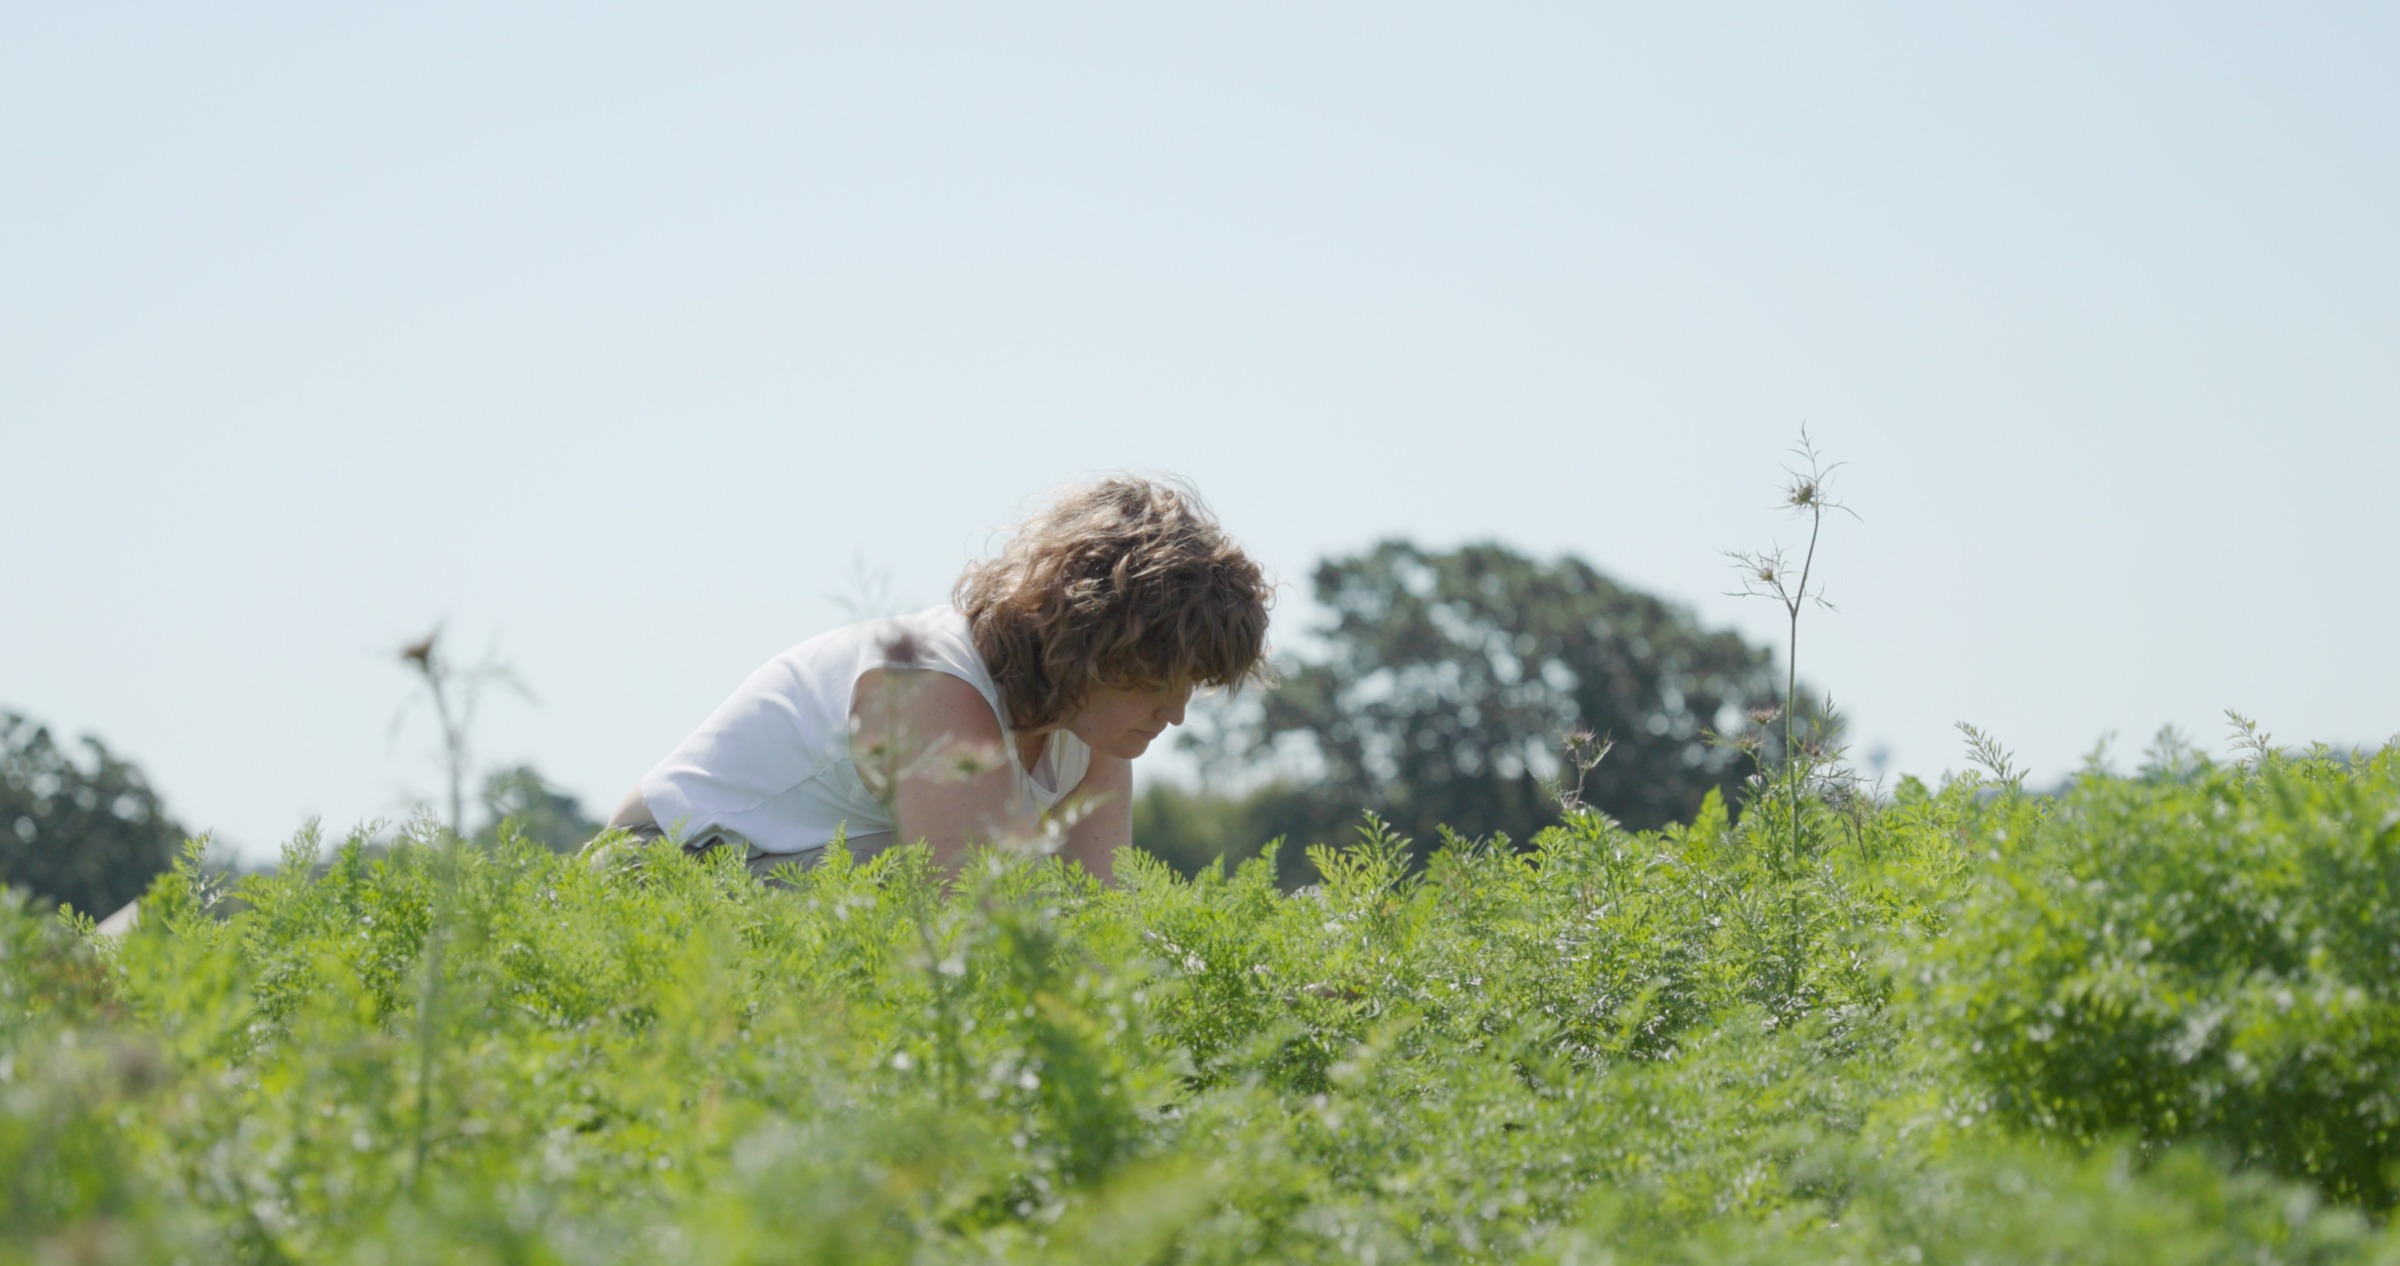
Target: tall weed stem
x=1767, y=574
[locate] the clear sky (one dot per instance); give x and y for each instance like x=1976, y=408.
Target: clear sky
x=619, y=335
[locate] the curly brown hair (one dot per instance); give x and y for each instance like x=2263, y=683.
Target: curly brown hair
x=1125, y=582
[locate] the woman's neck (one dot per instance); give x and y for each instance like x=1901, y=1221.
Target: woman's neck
x=1029, y=748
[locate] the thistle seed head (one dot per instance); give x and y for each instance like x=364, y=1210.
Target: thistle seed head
x=903, y=649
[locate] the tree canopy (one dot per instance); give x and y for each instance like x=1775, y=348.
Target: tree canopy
x=89, y=834
x=542, y=812
x=1450, y=680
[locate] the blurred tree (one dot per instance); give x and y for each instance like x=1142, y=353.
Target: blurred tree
x=1451, y=681
x=90, y=835
x=1190, y=828
x=542, y=812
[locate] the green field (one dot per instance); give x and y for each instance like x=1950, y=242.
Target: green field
x=2153, y=1018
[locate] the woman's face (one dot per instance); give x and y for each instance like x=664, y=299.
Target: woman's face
x=1116, y=721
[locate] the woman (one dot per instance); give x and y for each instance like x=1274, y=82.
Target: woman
x=1011, y=716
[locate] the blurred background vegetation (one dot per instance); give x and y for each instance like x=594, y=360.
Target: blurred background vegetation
x=1439, y=692
x=89, y=833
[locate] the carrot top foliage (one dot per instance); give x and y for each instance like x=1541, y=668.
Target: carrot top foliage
x=2147, y=1020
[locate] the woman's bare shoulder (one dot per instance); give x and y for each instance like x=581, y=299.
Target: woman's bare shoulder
x=901, y=718
x=918, y=696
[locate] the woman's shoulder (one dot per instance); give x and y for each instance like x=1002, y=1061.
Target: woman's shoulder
x=923, y=700
x=900, y=713
x=925, y=664
x=936, y=638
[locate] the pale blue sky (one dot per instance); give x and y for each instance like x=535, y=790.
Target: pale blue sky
x=619, y=332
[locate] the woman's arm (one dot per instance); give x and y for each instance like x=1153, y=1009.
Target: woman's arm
x=1105, y=797
x=928, y=745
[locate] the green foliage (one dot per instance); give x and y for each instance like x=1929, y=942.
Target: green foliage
x=1189, y=830
x=1451, y=676
x=1681, y=1045
x=519, y=797
x=1192, y=830
x=90, y=834
x=2202, y=953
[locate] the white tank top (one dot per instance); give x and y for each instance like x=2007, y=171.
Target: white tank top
x=771, y=767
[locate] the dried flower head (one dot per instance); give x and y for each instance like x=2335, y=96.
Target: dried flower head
x=903, y=650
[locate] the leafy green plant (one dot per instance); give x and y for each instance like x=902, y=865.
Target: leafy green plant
x=1686, y=1044
x=2198, y=953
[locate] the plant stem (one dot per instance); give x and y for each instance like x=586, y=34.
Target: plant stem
x=428, y=1000
x=1791, y=674
x=454, y=748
